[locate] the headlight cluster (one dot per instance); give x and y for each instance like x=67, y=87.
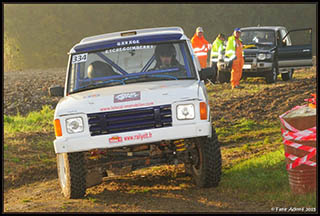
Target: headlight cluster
x=74, y=125
x=263, y=56
x=185, y=112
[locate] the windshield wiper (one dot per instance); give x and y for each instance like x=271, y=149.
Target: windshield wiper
x=97, y=85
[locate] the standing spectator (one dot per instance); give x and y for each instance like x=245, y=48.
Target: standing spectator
x=234, y=54
x=200, y=46
x=217, y=49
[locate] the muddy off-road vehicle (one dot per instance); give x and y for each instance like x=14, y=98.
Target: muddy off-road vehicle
x=270, y=51
x=121, y=112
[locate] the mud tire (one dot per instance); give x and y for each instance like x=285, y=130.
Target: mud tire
x=207, y=172
x=72, y=174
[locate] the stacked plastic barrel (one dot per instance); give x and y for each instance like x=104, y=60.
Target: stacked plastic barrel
x=298, y=128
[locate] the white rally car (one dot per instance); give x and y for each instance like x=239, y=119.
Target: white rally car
x=121, y=111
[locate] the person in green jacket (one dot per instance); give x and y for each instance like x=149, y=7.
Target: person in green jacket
x=217, y=49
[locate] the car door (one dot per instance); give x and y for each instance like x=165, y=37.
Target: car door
x=295, y=49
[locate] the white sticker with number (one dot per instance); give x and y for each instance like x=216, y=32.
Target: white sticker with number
x=79, y=58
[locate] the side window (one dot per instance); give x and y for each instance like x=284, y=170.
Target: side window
x=194, y=58
x=279, y=37
x=179, y=56
x=72, y=77
x=299, y=37
x=286, y=41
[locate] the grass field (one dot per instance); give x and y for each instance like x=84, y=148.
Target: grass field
x=253, y=170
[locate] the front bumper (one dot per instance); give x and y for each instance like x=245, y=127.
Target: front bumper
x=87, y=142
x=248, y=67
x=257, y=66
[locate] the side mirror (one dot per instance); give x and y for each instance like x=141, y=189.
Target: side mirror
x=56, y=91
x=206, y=73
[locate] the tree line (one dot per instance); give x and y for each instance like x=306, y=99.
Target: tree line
x=40, y=35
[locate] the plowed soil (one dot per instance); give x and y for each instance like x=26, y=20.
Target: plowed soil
x=157, y=189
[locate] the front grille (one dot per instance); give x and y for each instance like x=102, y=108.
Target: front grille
x=129, y=120
x=249, y=57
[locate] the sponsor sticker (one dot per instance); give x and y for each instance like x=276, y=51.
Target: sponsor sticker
x=123, y=49
x=115, y=139
x=139, y=136
x=126, y=106
x=91, y=96
x=124, y=97
x=135, y=137
x=130, y=42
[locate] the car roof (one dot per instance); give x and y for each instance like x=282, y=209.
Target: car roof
x=140, y=32
x=263, y=28
x=128, y=35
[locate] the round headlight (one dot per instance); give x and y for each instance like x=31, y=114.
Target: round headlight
x=261, y=56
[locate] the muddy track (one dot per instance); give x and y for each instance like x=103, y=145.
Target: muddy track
x=157, y=189
x=164, y=190
x=268, y=104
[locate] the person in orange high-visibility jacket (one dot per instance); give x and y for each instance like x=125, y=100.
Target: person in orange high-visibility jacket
x=234, y=55
x=200, y=46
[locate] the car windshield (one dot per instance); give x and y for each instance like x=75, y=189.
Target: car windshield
x=263, y=37
x=124, y=65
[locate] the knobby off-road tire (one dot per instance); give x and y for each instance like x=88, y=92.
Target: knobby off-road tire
x=287, y=76
x=72, y=174
x=207, y=171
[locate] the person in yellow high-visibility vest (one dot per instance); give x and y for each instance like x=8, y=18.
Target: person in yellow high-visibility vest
x=200, y=46
x=217, y=49
x=234, y=55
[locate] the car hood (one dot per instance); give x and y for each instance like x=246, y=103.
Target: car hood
x=256, y=48
x=128, y=96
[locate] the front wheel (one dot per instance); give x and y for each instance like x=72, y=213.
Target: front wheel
x=72, y=174
x=206, y=165
x=271, y=77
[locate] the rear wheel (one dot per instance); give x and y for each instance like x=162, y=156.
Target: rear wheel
x=206, y=165
x=287, y=76
x=72, y=174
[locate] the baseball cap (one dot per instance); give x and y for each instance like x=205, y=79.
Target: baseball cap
x=199, y=29
x=237, y=30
